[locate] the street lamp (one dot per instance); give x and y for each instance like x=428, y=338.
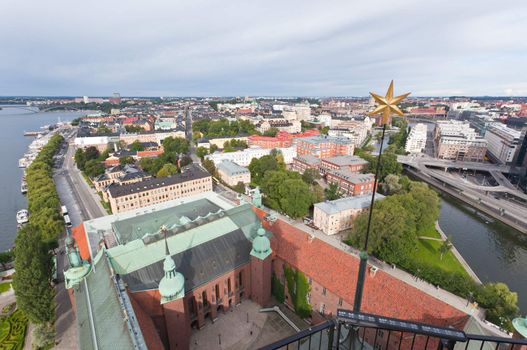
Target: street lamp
x=387, y=105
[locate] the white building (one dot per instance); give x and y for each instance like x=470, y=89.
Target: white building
x=416, y=141
x=456, y=140
x=244, y=157
x=232, y=173
x=502, y=142
x=334, y=216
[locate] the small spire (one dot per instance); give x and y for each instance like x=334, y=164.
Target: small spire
x=164, y=230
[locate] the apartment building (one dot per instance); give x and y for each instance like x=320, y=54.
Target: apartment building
x=244, y=157
x=354, y=164
x=350, y=183
x=502, y=142
x=232, y=173
x=280, y=140
x=192, y=180
x=456, y=140
x=416, y=140
x=323, y=146
x=302, y=163
x=332, y=217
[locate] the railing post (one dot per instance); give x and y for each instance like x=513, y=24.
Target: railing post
x=338, y=335
x=446, y=344
x=330, y=337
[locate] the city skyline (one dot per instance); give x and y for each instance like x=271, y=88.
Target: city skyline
x=238, y=49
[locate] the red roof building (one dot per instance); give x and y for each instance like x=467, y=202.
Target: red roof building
x=281, y=140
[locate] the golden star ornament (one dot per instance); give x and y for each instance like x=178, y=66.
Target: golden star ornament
x=387, y=104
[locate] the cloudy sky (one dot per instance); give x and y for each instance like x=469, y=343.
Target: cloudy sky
x=252, y=47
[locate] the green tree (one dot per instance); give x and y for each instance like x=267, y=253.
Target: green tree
x=176, y=144
x=271, y=132
x=43, y=336
x=213, y=148
x=136, y=146
x=270, y=186
x=445, y=247
x=391, y=184
x=133, y=129
x=239, y=187
x=126, y=160
x=167, y=169
x=259, y=166
x=201, y=152
x=393, y=233
x=91, y=153
x=295, y=198
x=75, y=121
x=310, y=176
x=501, y=304
x=6, y=257
x=318, y=193
x=324, y=130
x=103, y=129
x=93, y=168
x=389, y=165
x=32, y=280
x=80, y=158
x=332, y=192
x=209, y=166
x=184, y=161
x=151, y=165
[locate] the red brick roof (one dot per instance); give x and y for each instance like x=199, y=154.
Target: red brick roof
x=337, y=271
x=79, y=234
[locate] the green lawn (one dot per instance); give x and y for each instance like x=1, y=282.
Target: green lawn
x=428, y=253
x=429, y=232
x=4, y=287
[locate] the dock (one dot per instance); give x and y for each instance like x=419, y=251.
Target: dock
x=32, y=133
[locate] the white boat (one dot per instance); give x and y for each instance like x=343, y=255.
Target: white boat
x=23, y=187
x=22, y=216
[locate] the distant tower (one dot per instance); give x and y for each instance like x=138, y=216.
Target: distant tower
x=172, y=291
x=85, y=99
x=116, y=98
x=261, y=268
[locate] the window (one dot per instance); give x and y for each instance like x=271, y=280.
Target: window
x=229, y=288
x=322, y=308
x=240, y=279
x=340, y=301
x=309, y=280
x=324, y=291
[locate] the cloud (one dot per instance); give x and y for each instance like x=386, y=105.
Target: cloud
x=205, y=47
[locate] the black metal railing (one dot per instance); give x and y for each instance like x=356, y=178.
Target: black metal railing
x=361, y=331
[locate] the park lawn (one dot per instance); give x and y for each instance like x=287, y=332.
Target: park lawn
x=4, y=287
x=429, y=232
x=428, y=253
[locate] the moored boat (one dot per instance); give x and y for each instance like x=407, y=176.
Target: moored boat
x=22, y=216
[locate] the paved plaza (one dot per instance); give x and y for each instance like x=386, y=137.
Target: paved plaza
x=232, y=331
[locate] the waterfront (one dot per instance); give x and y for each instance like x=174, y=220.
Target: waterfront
x=496, y=252
x=13, y=145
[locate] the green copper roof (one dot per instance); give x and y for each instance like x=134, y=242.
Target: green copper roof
x=137, y=227
x=136, y=254
x=172, y=285
x=102, y=322
x=520, y=325
x=261, y=245
x=75, y=275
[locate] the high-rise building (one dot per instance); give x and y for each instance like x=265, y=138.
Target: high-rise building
x=456, y=140
x=503, y=142
x=416, y=141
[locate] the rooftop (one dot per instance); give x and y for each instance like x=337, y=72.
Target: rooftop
x=308, y=159
x=342, y=204
x=345, y=160
x=324, y=139
x=231, y=168
x=192, y=172
x=350, y=176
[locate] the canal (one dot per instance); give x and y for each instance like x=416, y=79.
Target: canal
x=496, y=252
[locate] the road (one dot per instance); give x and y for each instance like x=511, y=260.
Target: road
x=83, y=204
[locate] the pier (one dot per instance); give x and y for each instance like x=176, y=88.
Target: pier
x=33, y=133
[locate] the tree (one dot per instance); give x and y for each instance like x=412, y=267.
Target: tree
x=133, y=129
x=318, y=193
x=93, y=168
x=239, y=187
x=213, y=148
x=151, y=165
x=184, y=161
x=126, y=160
x=167, y=169
x=270, y=185
x=32, y=280
x=176, y=144
x=6, y=257
x=136, y=146
x=201, y=152
x=324, y=130
x=391, y=184
x=295, y=198
x=332, y=192
x=392, y=235
x=271, y=132
x=259, y=166
x=310, y=176
x=43, y=336
x=80, y=158
x=103, y=129
x=389, y=165
x=91, y=153
x=445, y=247
x=209, y=166
x=75, y=121
x=501, y=304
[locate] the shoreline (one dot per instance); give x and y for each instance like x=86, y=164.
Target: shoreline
x=458, y=256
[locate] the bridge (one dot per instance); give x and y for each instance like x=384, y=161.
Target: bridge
x=37, y=109
x=420, y=161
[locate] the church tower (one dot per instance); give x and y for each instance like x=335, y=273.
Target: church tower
x=261, y=268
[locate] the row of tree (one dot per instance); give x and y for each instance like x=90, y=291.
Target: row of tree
x=90, y=160
x=221, y=128
x=32, y=281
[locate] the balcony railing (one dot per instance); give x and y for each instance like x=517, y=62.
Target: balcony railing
x=360, y=331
